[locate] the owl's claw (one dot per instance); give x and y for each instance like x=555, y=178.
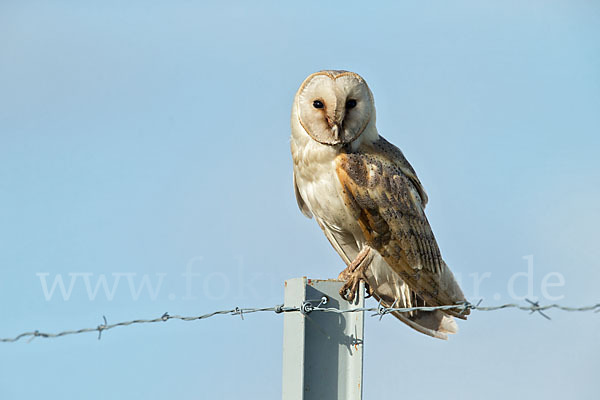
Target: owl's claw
x=354, y=274
x=350, y=289
x=369, y=291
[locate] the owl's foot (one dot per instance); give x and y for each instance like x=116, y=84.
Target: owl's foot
x=354, y=274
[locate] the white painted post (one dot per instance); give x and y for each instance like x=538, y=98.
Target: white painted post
x=322, y=351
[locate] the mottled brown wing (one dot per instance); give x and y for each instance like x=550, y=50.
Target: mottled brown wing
x=389, y=208
x=390, y=152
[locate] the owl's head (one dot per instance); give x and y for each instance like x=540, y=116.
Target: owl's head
x=334, y=107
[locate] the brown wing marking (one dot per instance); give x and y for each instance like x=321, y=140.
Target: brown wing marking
x=395, y=155
x=389, y=210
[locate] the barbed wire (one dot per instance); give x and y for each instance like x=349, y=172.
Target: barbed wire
x=306, y=308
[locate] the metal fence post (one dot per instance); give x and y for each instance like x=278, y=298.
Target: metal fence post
x=322, y=351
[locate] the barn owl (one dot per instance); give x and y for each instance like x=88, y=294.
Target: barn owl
x=368, y=201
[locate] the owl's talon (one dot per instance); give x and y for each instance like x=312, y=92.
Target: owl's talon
x=351, y=288
x=354, y=274
x=369, y=291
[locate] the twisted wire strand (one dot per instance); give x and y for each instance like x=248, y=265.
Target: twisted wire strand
x=305, y=308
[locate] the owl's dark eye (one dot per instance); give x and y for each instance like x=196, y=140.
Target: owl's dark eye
x=318, y=104
x=351, y=104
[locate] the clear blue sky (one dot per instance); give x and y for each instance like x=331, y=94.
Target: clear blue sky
x=153, y=136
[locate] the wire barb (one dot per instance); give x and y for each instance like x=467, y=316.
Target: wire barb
x=100, y=328
x=238, y=311
x=381, y=310
x=535, y=306
x=306, y=308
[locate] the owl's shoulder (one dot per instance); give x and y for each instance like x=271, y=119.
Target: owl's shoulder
x=371, y=161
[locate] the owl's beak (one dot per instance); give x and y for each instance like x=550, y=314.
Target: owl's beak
x=336, y=129
x=335, y=124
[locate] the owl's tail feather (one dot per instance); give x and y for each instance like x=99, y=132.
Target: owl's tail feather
x=390, y=289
